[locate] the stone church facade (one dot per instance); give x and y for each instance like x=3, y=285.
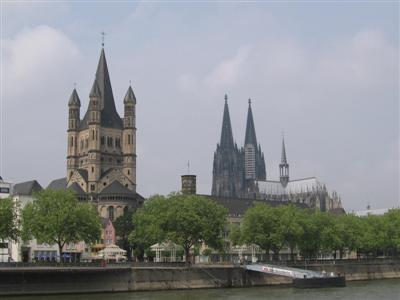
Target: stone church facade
x=101, y=153
x=241, y=172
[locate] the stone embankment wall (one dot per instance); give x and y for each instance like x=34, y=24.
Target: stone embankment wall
x=14, y=281
x=362, y=270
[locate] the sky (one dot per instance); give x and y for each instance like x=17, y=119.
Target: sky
x=326, y=74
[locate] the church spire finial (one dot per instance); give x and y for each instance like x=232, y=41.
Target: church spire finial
x=102, y=38
x=283, y=156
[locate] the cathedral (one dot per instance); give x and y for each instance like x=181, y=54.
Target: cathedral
x=241, y=172
x=101, y=153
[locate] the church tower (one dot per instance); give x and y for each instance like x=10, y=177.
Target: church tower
x=284, y=167
x=129, y=137
x=74, y=106
x=94, y=112
x=101, y=160
x=228, y=162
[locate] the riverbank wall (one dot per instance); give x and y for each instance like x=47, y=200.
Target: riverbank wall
x=50, y=280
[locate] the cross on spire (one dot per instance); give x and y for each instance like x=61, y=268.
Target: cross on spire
x=102, y=38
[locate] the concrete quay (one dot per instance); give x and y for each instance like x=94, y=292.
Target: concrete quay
x=65, y=280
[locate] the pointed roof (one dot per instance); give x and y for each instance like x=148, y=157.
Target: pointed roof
x=109, y=114
x=75, y=187
x=116, y=188
x=250, y=137
x=129, y=96
x=283, y=156
x=74, y=99
x=95, y=91
x=226, y=132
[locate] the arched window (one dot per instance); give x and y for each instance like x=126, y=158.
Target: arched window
x=111, y=213
x=125, y=209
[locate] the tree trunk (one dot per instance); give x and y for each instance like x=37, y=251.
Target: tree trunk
x=276, y=255
x=291, y=253
x=187, y=256
x=267, y=254
x=60, y=246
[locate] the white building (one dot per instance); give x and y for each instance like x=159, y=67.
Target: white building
x=30, y=251
x=5, y=191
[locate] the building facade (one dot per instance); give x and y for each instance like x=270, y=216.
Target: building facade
x=241, y=172
x=101, y=153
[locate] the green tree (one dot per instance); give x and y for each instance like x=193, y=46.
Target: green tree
x=148, y=223
x=391, y=222
x=373, y=236
x=311, y=241
x=9, y=224
x=123, y=227
x=186, y=220
x=56, y=217
x=292, y=231
x=235, y=235
x=258, y=226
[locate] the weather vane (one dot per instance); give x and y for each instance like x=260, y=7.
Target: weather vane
x=102, y=38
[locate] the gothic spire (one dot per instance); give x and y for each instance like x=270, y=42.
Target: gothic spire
x=95, y=91
x=226, y=132
x=129, y=96
x=250, y=129
x=283, y=156
x=109, y=114
x=284, y=166
x=74, y=99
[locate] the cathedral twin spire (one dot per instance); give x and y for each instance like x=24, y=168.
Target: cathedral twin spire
x=250, y=137
x=226, y=132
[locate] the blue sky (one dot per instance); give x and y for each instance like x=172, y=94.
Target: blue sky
x=325, y=73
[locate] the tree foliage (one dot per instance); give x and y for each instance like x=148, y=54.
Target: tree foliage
x=123, y=227
x=312, y=233
x=186, y=220
x=56, y=217
x=9, y=223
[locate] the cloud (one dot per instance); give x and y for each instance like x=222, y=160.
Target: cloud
x=187, y=83
x=41, y=65
x=228, y=71
x=36, y=56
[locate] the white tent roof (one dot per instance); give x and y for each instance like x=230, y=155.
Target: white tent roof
x=112, y=250
x=165, y=246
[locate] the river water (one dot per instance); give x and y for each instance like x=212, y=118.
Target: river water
x=388, y=289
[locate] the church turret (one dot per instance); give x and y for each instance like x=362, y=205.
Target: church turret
x=94, y=169
x=284, y=166
x=74, y=106
x=129, y=137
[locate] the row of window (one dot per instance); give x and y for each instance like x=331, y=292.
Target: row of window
x=111, y=142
